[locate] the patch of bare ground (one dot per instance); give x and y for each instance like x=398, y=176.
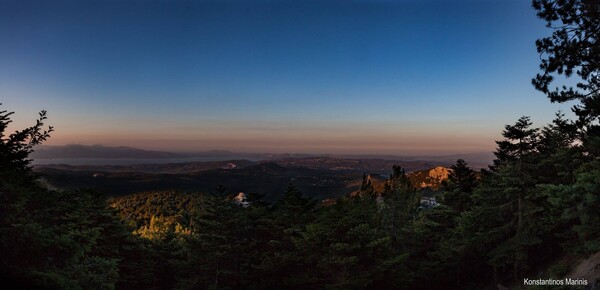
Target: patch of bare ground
x=588, y=269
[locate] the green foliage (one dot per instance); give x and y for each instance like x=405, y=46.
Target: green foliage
x=294, y=244
x=400, y=206
x=571, y=49
x=366, y=188
x=347, y=239
x=16, y=147
x=579, y=206
x=520, y=143
x=65, y=240
x=154, y=214
x=281, y=264
x=459, y=187
x=542, y=195
x=54, y=239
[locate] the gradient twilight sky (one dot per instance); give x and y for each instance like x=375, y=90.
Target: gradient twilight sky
x=392, y=77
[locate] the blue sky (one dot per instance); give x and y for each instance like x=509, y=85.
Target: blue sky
x=394, y=77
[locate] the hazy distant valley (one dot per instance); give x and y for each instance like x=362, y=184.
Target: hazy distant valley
x=316, y=177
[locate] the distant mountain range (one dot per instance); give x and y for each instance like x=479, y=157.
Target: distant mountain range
x=71, y=154
x=267, y=178
x=98, y=151
x=318, y=176
x=156, y=168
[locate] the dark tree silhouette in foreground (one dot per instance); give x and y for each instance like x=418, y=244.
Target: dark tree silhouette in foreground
x=572, y=48
x=16, y=147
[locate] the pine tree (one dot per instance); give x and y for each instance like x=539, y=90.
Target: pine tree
x=459, y=186
x=51, y=239
x=579, y=208
x=400, y=206
x=508, y=202
x=345, y=248
x=366, y=187
x=572, y=49
x=519, y=143
x=282, y=266
x=212, y=255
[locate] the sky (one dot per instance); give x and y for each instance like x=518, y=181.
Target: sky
x=375, y=77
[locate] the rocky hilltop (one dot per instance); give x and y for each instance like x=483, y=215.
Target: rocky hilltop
x=432, y=178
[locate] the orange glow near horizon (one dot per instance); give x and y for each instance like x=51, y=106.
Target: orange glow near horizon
x=293, y=141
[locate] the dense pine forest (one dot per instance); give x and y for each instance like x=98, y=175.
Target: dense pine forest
x=534, y=213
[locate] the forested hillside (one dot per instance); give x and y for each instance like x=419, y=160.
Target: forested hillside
x=534, y=214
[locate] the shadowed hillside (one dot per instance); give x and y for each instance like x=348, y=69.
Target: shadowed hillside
x=266, y=178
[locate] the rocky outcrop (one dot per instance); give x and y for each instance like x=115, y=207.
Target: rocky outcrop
x=241, y=199
x=432, y=178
